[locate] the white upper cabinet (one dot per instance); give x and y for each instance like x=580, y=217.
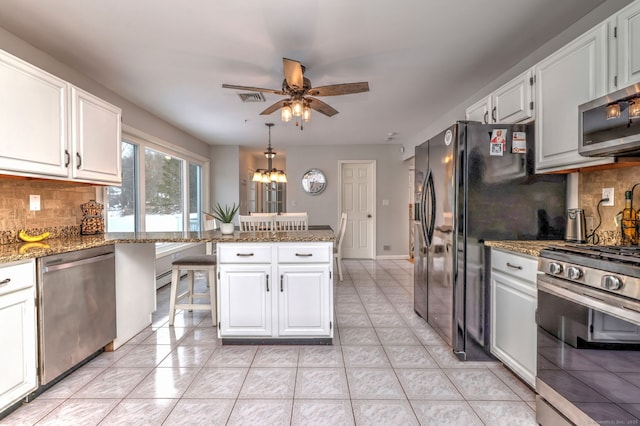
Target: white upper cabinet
x=575, y=74
x=628, y=44
x=33, y=119
x=510, y=103
x=51, y=129
x=480, y=111
x=96, y=125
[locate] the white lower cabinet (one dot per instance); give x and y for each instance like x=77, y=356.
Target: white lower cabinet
x=275, y=290
x=18, y=357
x=513, y=307
x=245, y=300
x=303, y=300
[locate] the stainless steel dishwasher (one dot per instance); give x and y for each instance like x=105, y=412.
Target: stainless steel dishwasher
x=76, y=308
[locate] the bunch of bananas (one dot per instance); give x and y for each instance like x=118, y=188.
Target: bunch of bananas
x=32, y=238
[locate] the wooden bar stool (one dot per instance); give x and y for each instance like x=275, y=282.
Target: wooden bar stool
x=190, y=264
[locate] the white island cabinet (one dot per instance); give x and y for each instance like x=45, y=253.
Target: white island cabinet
x=513, y=308
x=18, y=357
x=275, y=290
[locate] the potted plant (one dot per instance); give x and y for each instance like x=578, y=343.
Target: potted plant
x=225, y=216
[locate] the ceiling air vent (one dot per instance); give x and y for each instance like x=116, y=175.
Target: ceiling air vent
x=252, y=97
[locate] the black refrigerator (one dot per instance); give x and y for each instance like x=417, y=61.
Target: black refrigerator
x=475, y=183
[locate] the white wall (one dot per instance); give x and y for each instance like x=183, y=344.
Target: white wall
x=392, y=222
x=225, y=174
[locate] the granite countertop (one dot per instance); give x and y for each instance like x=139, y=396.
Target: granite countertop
x=530, y=247
x=52, y=246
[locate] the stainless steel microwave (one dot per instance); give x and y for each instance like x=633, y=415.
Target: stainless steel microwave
x=610, y=125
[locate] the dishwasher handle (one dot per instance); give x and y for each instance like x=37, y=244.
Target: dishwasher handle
x=86, y=261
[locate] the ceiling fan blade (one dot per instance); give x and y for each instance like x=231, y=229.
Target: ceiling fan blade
x=252, y=89
x=273, y=108
x=339, y=89
x=293, y=73
x=321, y=107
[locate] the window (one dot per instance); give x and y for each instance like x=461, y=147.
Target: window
x=162, y=189
x=122, y=200
x=164, y=210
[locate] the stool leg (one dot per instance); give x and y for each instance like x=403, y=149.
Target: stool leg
x=212, y=296
x=175, y=279
x=190, y=279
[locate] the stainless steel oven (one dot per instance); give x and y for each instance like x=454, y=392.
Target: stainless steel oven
x=588, y=350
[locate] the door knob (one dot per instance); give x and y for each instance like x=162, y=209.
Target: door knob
x=369, y=216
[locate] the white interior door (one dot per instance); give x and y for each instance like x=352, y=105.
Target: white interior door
x=357, y=187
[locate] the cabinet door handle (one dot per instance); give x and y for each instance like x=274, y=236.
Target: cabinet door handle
x=67, y=158
x=244, y=254
x=267, y=282
x=511, y=265
x=486, y=117
x=281, y=287
x=5, y=281
x=493, y=114
x=79, y=161
x=304, y=254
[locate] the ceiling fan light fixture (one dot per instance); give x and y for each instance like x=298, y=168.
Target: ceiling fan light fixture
x=282, y=178
x=297, y=107
x=286, y=113
x=306, y=114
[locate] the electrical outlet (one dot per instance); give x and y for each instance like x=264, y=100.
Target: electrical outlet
x=607, y=193
x=34, y=203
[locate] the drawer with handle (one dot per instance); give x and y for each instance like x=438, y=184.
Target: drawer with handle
x=519, y=265
x=244, y=253
x=305, y=253
x=16, y=276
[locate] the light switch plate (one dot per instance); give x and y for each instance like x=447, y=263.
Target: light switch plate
x=34, y=203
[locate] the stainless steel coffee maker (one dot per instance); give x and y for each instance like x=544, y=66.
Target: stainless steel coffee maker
x=576, y=226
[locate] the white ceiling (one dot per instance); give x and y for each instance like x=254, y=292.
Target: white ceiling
x=420, y=57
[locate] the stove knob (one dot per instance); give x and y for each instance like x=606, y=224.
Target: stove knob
x=611, y=282
x=555, y=268
x=574, y=273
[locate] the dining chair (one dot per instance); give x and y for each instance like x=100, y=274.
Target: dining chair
x=337, y=247
x=262, y=214
x=256, y=223
x=291, y=222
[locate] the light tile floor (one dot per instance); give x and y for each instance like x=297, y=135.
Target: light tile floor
x=386, y=367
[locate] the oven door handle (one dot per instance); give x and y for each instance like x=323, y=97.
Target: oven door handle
x=625, y=310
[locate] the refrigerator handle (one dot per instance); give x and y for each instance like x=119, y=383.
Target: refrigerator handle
x=423, y=208
x=432, y=218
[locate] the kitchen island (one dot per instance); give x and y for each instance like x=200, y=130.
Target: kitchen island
x=135, y=269
x=21, y=251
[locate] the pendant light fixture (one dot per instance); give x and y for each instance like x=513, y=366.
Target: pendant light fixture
x=270, y=174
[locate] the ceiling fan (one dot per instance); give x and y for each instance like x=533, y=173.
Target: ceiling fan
x=299, y=92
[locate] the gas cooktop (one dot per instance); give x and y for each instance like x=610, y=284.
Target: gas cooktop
x=623, y=260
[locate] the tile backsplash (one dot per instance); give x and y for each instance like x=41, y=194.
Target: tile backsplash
x=59, y=206
x=590, y=186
